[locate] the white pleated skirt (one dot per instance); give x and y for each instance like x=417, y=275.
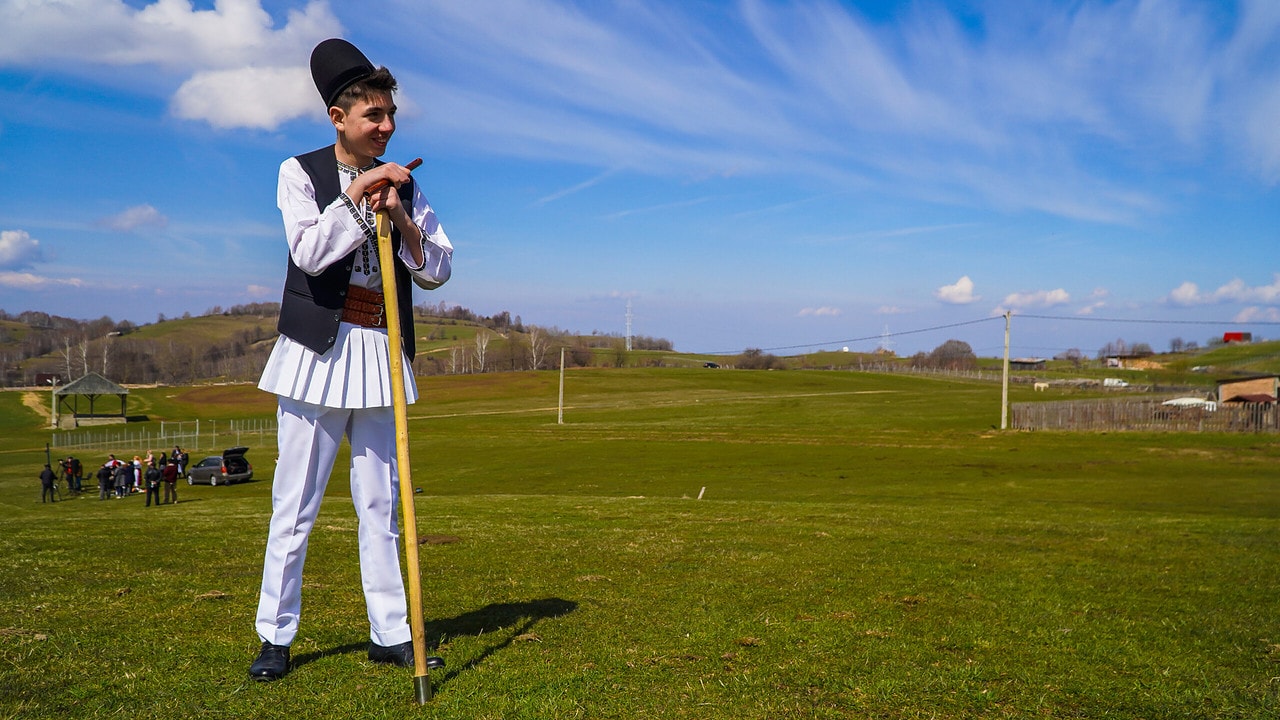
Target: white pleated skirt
x=355, y=373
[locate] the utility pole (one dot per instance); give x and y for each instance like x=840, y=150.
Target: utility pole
x=628, y=325
x=53, y=401
x=1004, y=392
x=560, y=412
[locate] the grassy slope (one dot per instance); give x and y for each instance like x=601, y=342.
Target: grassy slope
x=866, y=546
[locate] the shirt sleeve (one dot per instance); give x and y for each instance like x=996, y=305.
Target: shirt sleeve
x=317, y=238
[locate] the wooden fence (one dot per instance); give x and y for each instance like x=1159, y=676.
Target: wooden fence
x=1144, y=416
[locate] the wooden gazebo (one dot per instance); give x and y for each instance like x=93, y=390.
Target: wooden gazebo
x=91, y=386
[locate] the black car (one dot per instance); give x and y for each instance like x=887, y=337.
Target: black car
x=231, y=466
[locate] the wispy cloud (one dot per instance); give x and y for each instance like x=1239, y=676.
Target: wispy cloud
x=138, y=217
x=31, y=281
x=1099, y=300
x=557, y=195
x=1034, y=299
x=656, y=208
x=824, y=311
x=1057, y=111
x=1054, y=112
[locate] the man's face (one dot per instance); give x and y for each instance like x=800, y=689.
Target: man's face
x=367, y=127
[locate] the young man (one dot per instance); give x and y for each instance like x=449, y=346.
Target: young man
x=330, y=367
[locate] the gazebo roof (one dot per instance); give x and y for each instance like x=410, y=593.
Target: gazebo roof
x=91, y=384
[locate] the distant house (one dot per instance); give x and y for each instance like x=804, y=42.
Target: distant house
x=1237, y=337
x=1027, y=364
x=1259, y=388
x=1132, y=361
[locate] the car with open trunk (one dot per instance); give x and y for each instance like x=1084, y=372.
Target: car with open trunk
x=229, y=467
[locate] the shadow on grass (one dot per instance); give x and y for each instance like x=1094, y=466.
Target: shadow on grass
x=514, y=619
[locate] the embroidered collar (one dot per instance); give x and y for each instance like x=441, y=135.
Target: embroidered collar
x=353, y=170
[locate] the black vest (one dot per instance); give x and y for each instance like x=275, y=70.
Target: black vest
x=312, y=305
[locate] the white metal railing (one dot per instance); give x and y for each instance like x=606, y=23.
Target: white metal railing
x=191, y=435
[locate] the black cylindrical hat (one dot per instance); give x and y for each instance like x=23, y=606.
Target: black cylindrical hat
x=335, y=64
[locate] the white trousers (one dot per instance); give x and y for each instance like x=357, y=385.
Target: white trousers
x=309, y=437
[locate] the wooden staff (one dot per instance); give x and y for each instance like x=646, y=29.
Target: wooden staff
x=409, y=524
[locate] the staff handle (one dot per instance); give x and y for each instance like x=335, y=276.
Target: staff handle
x=409, y=525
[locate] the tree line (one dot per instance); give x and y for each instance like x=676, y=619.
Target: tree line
x=35, y=345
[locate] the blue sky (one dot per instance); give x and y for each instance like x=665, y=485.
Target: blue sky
x=786, y=176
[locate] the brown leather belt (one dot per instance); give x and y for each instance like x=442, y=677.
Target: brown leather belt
x=364, y=307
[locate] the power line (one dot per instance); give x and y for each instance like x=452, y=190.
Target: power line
x=868, y=337
x=1074, y=318
x=1077, y=318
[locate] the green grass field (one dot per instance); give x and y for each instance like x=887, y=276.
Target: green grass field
x=866, y=546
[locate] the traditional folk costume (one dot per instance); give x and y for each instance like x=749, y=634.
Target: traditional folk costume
x=331, y=371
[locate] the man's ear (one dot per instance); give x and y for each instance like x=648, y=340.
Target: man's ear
x=337, y=116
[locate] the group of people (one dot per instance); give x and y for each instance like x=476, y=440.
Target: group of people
x=143, y=474
x=120, y=478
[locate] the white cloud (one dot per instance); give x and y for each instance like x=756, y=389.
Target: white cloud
x=261, y=291
x=241, y=70
x=138, y=217
x=1188, y=293
x=18, y=249
x=251, y=97
x=166, y=33
x=961, y=293
x=1258, y=314
x=891, y=310
x=29, y=281
x=1038, y=298
x=824, y=311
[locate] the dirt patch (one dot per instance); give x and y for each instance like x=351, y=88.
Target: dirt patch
x=36, y=401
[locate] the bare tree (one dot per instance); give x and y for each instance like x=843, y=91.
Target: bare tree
x=84, y=356
x=538, y=345
x=66, y=356
x=456, y=355
x=482, y=345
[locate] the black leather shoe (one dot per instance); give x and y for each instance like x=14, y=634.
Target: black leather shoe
x=400, y=655
x=272, y=662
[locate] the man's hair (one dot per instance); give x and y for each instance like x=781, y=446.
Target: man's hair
x=381, y=82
